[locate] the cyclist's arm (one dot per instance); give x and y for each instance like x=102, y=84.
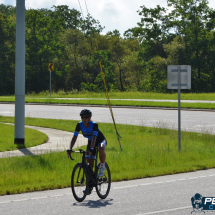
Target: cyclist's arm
x=95, y=134
x=93, y=142
x=74, y=138
x=72, y=143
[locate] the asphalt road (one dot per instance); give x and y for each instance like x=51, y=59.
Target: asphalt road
x=169, y=194
x=199, y=121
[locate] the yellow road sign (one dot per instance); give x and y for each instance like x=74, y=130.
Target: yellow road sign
x=51, y=67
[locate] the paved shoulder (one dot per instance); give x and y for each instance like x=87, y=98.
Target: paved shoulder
x=57, y=141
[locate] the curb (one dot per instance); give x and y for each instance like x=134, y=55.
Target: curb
x=113, y=106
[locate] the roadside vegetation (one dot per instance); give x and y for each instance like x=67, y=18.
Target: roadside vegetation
x=147, y=152
x=32, y=138
x=119, y=95
x=182, y=33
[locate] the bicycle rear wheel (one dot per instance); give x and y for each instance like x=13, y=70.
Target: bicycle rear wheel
x=103, y=183
x=79, y=183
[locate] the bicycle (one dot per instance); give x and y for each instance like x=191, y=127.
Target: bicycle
x=84, y=178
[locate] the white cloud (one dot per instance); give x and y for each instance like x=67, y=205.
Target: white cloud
x=113, y=14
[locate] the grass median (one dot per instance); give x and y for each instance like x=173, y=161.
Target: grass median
x=147, y=152
x=32, y=138
x=126, y=95
x=119, y=103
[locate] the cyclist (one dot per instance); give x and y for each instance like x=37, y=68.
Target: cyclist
x=95, y=137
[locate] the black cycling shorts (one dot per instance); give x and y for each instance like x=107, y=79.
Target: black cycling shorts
x=96, y=145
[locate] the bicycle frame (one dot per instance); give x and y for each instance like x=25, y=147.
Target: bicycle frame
x=90, y=173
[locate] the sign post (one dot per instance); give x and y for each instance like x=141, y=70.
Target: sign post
x=179, y=77
x=51, y=69
x=179, y=108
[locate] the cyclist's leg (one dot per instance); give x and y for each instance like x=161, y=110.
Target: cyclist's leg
x=101, y=148
x=90, y=161
x=102, y=157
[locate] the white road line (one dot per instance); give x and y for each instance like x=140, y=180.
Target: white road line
x=160, y=182
x=5, y=202
x=164, y=211
x=42, y=197
x=45, y=197
x=18, y=200
x=116, y=188
x=56, y=196
x=192, y=178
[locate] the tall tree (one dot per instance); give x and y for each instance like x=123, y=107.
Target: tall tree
x=191, y=19
x=42, y=46
x=75, y=64
x=151, y=31
x=7, y=10
x=104, y=57
x=71, y=18
x=122, y=50
x=7, y=55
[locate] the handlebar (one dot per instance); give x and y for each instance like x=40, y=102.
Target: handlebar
x=70, y=150
x=80, y=151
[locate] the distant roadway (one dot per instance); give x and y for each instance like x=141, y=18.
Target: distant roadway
x=198, y=120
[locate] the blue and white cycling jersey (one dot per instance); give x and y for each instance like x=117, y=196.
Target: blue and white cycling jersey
x=90, y=131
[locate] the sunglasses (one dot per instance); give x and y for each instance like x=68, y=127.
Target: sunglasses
x=84, y=117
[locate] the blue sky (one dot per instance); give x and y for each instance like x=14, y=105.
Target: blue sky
x=113, y=14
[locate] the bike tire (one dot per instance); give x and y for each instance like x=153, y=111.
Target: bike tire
x=103, y=183
x=79, y=183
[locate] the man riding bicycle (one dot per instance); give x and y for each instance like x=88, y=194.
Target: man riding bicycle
x=95, y=137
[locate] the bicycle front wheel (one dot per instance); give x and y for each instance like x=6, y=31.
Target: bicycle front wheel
x=103, y=183
x=79, y=183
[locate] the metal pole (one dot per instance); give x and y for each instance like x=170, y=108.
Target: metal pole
x=50, y=83
x=179, y=108
x=19, y=133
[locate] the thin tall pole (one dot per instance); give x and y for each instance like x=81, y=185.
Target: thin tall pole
x=118, y=136
x=19, y=133
x=50, y=82
x=179, y=108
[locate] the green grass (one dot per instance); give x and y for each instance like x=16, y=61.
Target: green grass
x=117, y=103
x=123, y=95
x=32, y=138
x=147, y=152
x=44, y=98
x=125, y=103
x=126, y=95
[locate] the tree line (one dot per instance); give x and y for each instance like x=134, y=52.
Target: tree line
x=181, y=34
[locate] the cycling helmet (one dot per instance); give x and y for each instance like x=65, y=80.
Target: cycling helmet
x=86, y=112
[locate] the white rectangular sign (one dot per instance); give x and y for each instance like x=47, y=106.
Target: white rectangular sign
x=172, y=76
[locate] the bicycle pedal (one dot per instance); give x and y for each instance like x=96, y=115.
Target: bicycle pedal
x=87, y=192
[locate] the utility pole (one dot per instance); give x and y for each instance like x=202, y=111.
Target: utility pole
x=19, y=133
